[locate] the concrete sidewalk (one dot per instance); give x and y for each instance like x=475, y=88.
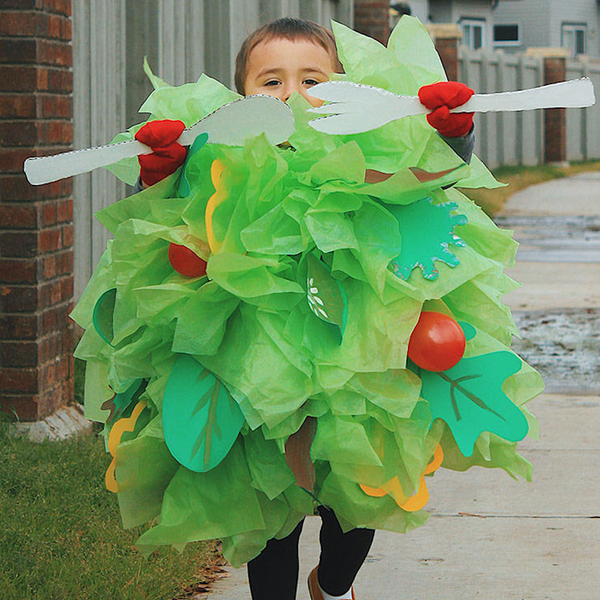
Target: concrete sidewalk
x=490, y=537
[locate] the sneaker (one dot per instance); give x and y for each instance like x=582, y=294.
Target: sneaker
x=313, y=586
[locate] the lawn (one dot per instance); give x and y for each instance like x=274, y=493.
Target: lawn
x=519, y=178
x=61, y=536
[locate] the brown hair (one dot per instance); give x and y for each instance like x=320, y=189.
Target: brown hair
x=292, y=29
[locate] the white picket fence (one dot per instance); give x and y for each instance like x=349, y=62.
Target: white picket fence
x=181, y=39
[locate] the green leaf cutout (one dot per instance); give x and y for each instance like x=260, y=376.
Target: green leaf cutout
x=469, y=398
x=426, y=230
x=326, y=296
x=102, y=316
x=119, y=403
x=201, y=420
x=184, y=188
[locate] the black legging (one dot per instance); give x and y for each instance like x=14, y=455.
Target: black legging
x=273, y=574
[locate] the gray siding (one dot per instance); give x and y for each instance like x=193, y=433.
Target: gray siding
x=580, y=12
x=443, y=11
x=541, y=21
x=420, y=9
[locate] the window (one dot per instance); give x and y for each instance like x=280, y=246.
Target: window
x=574, y=38
x=473, y=33
x=507, y=35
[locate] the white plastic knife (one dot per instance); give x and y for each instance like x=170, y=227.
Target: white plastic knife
x=230, y=124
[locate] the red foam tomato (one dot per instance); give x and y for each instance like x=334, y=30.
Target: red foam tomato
x=186, y=262
x=437, y=342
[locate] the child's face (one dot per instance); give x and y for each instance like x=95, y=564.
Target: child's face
x=279, y=66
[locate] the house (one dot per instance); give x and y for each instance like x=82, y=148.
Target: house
x=475, y=17
x=520, y=24
x=515, y=25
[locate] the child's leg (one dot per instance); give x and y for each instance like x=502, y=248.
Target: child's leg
x=342, y=554
x=273, y=574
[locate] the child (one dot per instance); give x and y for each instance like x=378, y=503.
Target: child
x=257, y=328
x=290, y=55
x=282, y=57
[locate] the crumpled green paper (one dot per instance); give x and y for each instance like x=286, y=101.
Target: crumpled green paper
x=250, y=324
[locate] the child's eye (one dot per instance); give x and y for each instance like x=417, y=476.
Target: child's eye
x=272, y=82
x=310, y=81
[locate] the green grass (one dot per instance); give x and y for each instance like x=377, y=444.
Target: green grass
x=518, y=178
x=61, y=536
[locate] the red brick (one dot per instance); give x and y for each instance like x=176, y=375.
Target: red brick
x=58, y=189
x=54, y=53
x=17, y=106
x=19, y=354
x=14, y=270
x=50, y=294
x=61, y=7
x=19, y=380
x=12, y=159
x=55, y=106
x=66, y=286
x=49, y=240
x=51, y=399
x=16, y=187
x=57, y=27
x=15, y=216
x=18, y=244
x=68, y=207
x=17, y=50
x=55, y=132
x=20, y=407
x=19, y=327
x=54, y=80
x=19, y=298
x=64, y=262
x=18, y=133
x=64, y=210
x=21, y=4
x=51, y=346
x=49, y=214
x=49, y=268
x=18, y=79
x=66, y=30
x=67, y=235
x=19, y=23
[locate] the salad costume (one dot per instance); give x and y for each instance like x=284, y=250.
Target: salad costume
x=236, y=401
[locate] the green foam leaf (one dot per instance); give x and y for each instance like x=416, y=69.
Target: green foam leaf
x=201, y=420
x=469, y=398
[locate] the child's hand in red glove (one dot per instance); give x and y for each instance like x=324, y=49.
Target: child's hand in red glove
x=167, y=154
x=440, y=98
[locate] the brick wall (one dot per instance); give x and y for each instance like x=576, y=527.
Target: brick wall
x=36, y=223
x=372, y=17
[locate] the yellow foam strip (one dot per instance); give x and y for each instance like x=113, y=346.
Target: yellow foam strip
x=114, y=439
x=216, y=170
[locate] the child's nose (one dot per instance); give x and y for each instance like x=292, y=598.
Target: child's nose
x=290, y=89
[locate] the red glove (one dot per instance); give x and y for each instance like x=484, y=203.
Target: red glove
x=167, y=154
x=440, y=98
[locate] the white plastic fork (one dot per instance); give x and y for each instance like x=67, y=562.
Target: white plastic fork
x=356, y=108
